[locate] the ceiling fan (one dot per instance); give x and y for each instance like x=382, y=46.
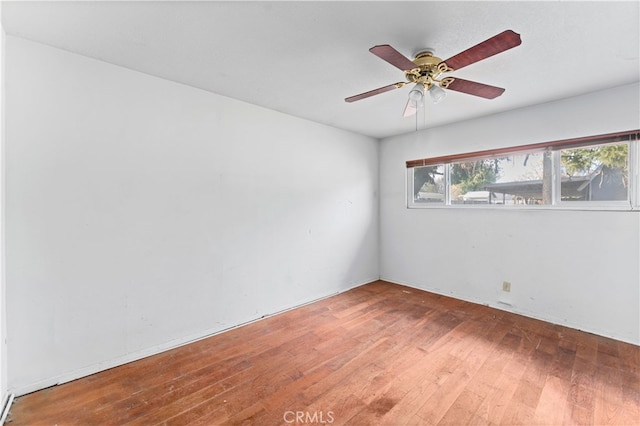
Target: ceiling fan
x=426, y=71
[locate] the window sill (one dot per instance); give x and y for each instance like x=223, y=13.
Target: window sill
x=564, y=207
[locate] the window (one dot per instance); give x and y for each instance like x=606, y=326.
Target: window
x=429, y=184
x=592, y=171
x=596, y=173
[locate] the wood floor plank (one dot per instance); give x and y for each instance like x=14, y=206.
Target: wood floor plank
x=553, y=402
x=497, y=400
x=379, y=354
x=419, y=384
x=463, y=409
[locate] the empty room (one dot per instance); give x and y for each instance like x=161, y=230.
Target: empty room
x=301, y=212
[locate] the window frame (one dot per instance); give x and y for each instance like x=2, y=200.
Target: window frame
x=632, y=203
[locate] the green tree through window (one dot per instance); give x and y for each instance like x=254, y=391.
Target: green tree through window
x=472, y=176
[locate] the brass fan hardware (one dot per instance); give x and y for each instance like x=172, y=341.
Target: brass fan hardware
x=428, y=69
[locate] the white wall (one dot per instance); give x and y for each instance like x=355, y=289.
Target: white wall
x=3, y=346
x=142, y=214
x=576, y=268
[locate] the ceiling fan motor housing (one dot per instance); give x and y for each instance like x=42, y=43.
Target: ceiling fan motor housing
x=427, y=68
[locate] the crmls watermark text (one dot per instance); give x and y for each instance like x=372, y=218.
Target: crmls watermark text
x=308, y=417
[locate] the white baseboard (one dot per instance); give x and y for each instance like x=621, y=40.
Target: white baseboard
x=8, y=400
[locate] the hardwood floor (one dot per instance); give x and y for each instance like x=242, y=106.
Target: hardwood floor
x=380, y=354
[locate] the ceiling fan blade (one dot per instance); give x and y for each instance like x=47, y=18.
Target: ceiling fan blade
x=496, y=44
x=410, y=109
x=472, y=88
x=374, y=92
x=392, y=56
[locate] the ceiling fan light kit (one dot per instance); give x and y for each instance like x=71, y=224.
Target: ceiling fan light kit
x=417, y=93
x=415, y=101
x=426, y=71
x=437, y=94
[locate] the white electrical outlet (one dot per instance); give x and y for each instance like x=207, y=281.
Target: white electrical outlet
x=506, y=286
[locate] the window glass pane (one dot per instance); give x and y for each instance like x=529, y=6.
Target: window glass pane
x=597, y=173
x=428, y=184
x=524, y=179
x=513, y=180
x=469, y=179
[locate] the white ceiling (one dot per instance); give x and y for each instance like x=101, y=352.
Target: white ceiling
x=303, y=58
